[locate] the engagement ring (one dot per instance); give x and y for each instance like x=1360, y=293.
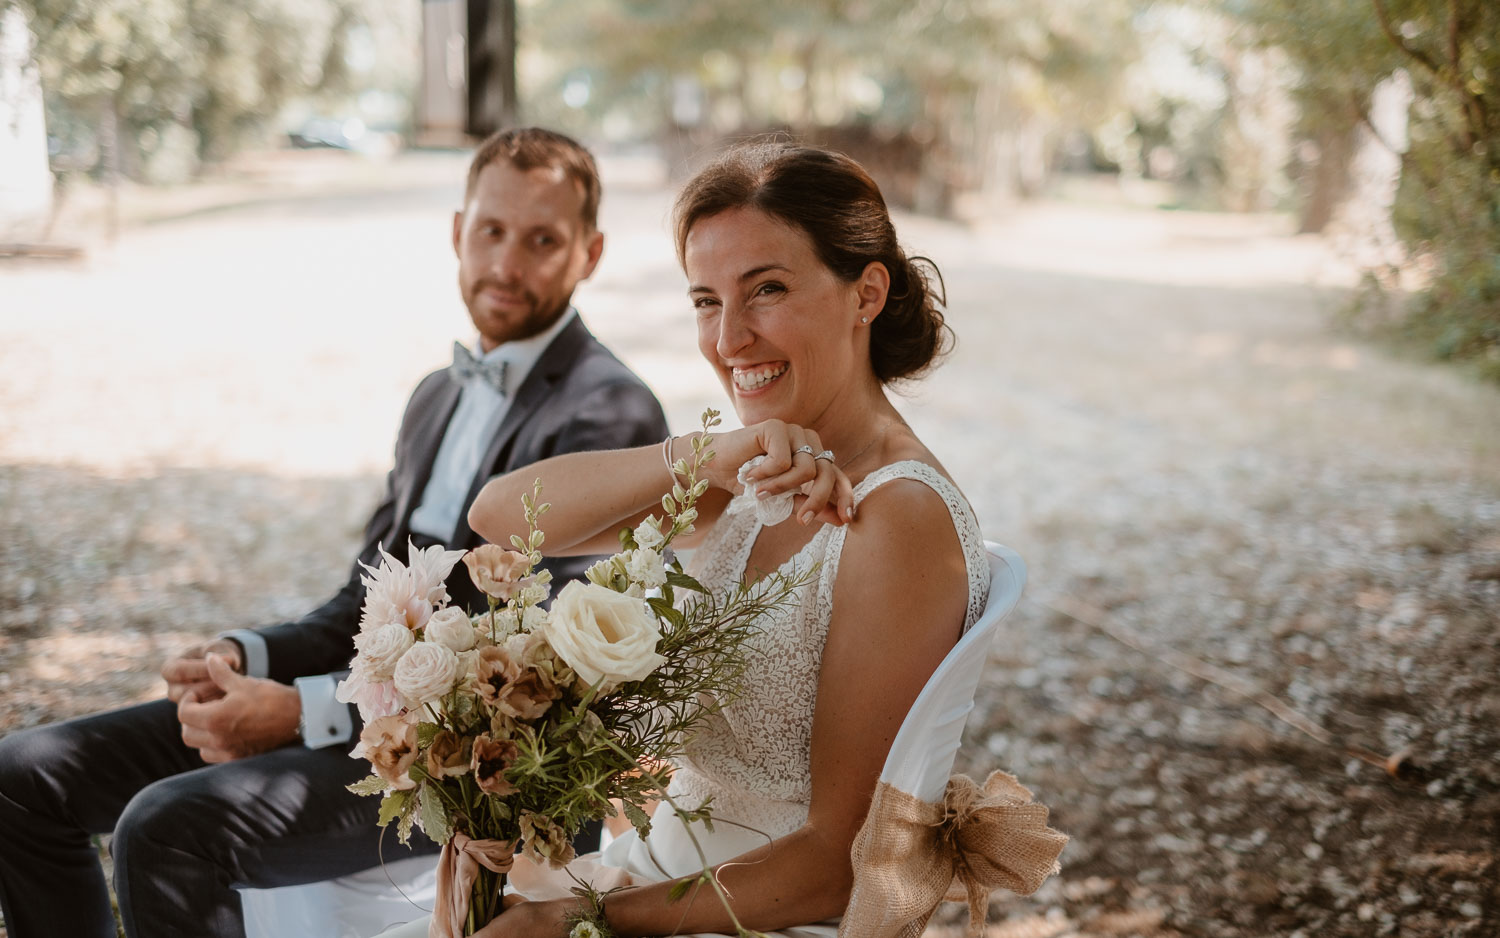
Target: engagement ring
x=804, y=448
x=826, y=454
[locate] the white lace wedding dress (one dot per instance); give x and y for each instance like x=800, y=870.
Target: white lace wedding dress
x=753, y=756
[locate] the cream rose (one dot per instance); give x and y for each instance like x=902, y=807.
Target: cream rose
x=450, y=628
x=382, y=647
x=426, y=672
x=603, y=635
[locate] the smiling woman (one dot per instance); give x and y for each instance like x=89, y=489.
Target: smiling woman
x=806, y=309
x=835, y=215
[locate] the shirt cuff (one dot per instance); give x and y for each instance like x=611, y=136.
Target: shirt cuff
x=257, y=658
x=325, y=721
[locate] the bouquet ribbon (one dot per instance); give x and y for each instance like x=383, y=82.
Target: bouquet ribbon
x=911, y=854
x=458, y=867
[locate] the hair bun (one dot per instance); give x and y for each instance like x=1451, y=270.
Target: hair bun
x=831, y=199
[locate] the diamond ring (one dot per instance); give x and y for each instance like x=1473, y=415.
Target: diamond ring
x=826, y=454
x=804, y=448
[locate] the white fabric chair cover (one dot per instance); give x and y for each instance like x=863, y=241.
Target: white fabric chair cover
x=922, y=755
x=355, y=906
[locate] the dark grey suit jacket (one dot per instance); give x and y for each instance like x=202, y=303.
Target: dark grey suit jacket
x=577, y=397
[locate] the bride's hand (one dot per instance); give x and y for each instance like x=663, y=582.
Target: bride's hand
x=791, y=465
x=522, y=919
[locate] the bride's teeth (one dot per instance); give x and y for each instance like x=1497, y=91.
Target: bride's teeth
x=750, y=381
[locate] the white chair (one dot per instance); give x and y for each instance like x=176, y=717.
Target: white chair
x=922, y=755
x=355, y=906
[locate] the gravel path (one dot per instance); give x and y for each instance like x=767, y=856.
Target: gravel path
x=1148, y=406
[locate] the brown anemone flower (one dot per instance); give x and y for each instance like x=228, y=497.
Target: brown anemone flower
x=498, y=572
x=543, y=841
x=490, y=760
x=448, y=754
x=391, y=746
x=528, y=696
x=496, y=668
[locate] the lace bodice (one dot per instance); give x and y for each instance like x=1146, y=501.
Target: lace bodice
x=753, y=757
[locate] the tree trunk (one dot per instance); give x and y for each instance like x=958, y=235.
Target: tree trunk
x=1328, y=179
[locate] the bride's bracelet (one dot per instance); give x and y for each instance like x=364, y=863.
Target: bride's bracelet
x=666, y=456
x=589, y=921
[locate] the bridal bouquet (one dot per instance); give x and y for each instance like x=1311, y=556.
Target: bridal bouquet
x=507, y=731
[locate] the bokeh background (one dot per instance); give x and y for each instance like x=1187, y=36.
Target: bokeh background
x=1225, y=277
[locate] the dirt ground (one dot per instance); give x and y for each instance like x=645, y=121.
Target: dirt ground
x=1151, y=407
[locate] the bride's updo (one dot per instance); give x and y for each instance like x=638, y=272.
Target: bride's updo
x=835, y=202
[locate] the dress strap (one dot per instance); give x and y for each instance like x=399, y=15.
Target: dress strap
x=970, y=539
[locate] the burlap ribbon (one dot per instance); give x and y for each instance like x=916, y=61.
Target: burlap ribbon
x=458, y=867
x=910, y=855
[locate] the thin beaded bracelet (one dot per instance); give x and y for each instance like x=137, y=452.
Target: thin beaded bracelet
x=666, y=456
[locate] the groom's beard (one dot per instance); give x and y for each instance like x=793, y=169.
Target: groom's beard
x=512, y=324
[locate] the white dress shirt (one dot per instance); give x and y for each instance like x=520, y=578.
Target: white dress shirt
x=480, y=409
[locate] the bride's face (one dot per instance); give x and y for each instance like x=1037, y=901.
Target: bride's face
x=779, y=327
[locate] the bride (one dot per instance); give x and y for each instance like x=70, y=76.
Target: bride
x=808, y=309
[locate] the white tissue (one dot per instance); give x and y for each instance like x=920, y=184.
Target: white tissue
x=768, y=511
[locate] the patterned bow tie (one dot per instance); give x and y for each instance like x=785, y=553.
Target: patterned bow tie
x=466, y=366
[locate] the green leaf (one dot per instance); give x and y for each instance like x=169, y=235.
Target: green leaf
x=372, y=785
x=435, y=820
x=392, y=806
x=683, y=581
x=425, y=734
x=638, y=819
x=403, y=825
x=680, y=888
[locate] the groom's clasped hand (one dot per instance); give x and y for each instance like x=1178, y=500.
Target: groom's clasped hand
x=242, y=716
x=224, y=714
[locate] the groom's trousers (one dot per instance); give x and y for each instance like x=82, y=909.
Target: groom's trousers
x=185, y=833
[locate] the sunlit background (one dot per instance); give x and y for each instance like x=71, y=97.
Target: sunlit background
x=1225, y=278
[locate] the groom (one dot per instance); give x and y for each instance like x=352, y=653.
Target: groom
x=238, y=777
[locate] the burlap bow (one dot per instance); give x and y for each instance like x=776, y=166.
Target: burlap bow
x=910, y=855
x=458, y=867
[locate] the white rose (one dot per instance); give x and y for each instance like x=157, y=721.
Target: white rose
x=648, y=533
x=382, y=647
x=603, y=635
x=645, y=567
x=426, y=672
x=450, y=628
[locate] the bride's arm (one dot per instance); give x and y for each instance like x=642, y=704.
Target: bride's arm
x=594, y=494
x=899, y=606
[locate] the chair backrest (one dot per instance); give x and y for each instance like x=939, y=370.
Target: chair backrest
x=922, y=755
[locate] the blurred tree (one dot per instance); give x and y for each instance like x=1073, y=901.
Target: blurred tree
x=218, y=69
x=1447, y=207
x=977, y=90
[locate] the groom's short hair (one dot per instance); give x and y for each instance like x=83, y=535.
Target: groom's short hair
x=535, y=148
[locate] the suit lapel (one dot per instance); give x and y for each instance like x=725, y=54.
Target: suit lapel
x=549, y=369
x=426, y=440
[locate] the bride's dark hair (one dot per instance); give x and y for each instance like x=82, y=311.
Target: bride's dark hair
x=834, y=201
